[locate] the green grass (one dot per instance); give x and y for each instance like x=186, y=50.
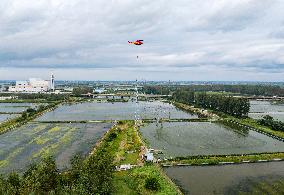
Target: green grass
x=133, y=181
x=130, y=158
x=220, y=93
x=126, y=146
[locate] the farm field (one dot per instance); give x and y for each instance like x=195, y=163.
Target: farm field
x=114, y=111
x=22, y=146
x=205, y=138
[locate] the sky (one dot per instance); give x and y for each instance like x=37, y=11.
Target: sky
x=222, y=40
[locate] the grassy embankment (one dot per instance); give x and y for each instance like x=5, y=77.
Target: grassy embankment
x=26, y=101
x=224, y=159
x=252, y=123
x=198, y=111
x=125, y=145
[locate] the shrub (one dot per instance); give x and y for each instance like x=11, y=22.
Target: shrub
x=111, y=136
x=152, y=183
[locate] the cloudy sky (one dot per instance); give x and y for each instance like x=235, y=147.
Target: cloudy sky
x=184, y=39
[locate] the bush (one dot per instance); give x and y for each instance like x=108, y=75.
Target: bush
x=111, y=136
x=152, y=183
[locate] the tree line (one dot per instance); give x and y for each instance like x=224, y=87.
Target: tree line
x=91, y=176
x=238, y=107
x=259, y=90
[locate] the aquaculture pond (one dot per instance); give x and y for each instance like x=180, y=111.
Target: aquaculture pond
x=18, y=148
x=205, y=138
x=15, y=107
x=114, y=111
x=4, y=117
x=256, y=178
x=258, y=109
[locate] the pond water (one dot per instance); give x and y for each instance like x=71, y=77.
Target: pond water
x=16, y=107
x=258, y=109
x=205, y=138
x=18, y=148
x=114, y=111
x=4, y=117
x=256, y=178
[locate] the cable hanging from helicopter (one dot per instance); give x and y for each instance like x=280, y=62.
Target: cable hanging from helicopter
x=137, y=42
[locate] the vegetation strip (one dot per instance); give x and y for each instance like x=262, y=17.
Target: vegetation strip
x=10, y=112
x=223, y=159
x=176, y=120
x=143, y=178
x=73, y=121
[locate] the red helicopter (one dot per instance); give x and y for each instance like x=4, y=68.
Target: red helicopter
x=138, y=42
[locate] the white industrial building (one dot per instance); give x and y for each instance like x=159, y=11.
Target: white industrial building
x=33, y=85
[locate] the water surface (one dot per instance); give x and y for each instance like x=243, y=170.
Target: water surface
x=16, y=107
x=258, y=109
x=205, y=138
x=18, y=148
x=115, y=111
x=229, y=179
x=4, y=117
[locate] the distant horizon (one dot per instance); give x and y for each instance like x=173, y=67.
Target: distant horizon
x=156, y=81
x=122, y=74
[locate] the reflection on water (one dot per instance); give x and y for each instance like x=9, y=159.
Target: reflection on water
x=268, y=184
x=115, y=111
x=258, y=109
x=229, y=179
x=204, y=138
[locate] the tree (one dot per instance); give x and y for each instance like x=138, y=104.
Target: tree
x=77, y=91
x=97, y=173
x=15, y=182
x=41, y=178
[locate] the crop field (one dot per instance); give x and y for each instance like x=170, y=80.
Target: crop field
x=205, y=138
x=261, y=108
x=114, y=111
x=20, y=147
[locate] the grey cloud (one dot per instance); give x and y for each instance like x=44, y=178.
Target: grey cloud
x=178, y=34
